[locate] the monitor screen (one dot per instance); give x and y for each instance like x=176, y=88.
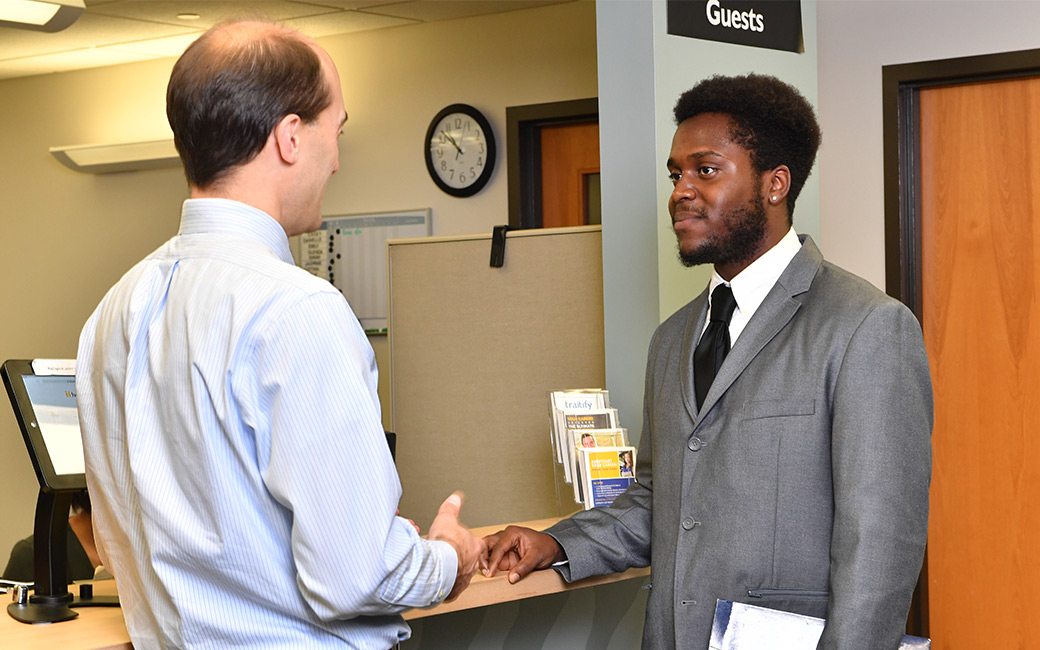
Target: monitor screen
x=53, y=401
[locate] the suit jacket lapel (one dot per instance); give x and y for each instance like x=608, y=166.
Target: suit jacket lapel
x=691, y=335
x=772, y=316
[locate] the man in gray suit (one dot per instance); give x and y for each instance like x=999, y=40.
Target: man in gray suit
x=796, y=479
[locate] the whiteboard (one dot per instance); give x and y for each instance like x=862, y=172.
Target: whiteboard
x=350, y=252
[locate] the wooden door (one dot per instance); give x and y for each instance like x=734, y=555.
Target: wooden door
x=570, y=172
x=980, y=246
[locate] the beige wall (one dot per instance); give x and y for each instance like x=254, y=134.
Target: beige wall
x=66, y=237
x=395, y=80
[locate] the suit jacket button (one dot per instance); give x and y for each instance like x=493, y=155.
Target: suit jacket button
x=695, y=443
x=690, y=523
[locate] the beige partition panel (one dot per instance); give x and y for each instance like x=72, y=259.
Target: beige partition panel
x=474, y=350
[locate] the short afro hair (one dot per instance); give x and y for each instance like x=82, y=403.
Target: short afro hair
x=771, y=119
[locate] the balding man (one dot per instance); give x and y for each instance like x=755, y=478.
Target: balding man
x=244, y=494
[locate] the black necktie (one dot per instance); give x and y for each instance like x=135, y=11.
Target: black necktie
x=714, y=344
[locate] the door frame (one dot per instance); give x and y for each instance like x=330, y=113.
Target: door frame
x=524, y=152
x=900, y=95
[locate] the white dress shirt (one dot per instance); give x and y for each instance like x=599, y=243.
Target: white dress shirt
x=752, y=285
x=243, y=491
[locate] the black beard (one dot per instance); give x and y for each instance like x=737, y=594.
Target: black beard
x=747, y=229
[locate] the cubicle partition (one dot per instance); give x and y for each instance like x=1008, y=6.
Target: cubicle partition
x=474, y=350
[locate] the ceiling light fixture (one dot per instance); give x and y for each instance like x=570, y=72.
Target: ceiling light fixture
x=122, y=157
x=40, y=15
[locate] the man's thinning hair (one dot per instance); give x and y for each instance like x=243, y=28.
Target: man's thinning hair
x=771, y=119
x=230, y=89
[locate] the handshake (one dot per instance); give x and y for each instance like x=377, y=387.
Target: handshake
x=515, y=549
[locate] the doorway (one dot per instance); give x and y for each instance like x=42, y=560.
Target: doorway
x=962, y=197
x=553, y=162
x=570, y=174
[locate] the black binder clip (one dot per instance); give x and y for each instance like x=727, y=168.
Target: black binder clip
x=498, y=246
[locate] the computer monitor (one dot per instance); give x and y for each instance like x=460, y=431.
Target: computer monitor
x=43, y=394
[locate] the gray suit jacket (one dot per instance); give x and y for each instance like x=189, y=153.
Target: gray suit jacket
x=802, y=483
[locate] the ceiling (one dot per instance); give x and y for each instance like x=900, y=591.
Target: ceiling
x=122, y=31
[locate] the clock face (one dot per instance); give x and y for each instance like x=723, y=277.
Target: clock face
x=460, y=150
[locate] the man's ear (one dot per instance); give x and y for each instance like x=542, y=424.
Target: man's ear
x=778, y=184
x=286, y=136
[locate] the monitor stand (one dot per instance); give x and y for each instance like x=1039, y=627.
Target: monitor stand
x=51, y=601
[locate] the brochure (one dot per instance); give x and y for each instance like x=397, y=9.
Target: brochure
x=571, y=400
x=577, y=422
x=605, y=472
x=588, y=438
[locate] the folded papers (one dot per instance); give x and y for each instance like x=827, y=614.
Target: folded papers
x=746, y=627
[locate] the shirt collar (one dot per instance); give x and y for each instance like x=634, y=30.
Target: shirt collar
x=234, y=217
x=751, y=285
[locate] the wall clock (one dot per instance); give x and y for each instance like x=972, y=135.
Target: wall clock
x=460, y=150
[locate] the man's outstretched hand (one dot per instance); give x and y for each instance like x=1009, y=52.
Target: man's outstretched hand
x=471, y=551
x=521, y=551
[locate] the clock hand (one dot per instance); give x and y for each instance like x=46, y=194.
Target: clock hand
x=458, y=149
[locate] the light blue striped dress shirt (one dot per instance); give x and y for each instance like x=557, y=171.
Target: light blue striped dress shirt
x=243, y=491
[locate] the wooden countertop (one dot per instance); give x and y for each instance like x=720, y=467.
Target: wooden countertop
x=490, y=591
x=102, y=628
x=96, y=628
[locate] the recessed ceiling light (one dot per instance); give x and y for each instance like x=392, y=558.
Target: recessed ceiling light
x=187, y=16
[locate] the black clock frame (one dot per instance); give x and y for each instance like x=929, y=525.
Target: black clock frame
x=489, y=138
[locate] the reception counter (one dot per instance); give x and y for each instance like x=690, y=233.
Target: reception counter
x=491, y=591
x=102, y=628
